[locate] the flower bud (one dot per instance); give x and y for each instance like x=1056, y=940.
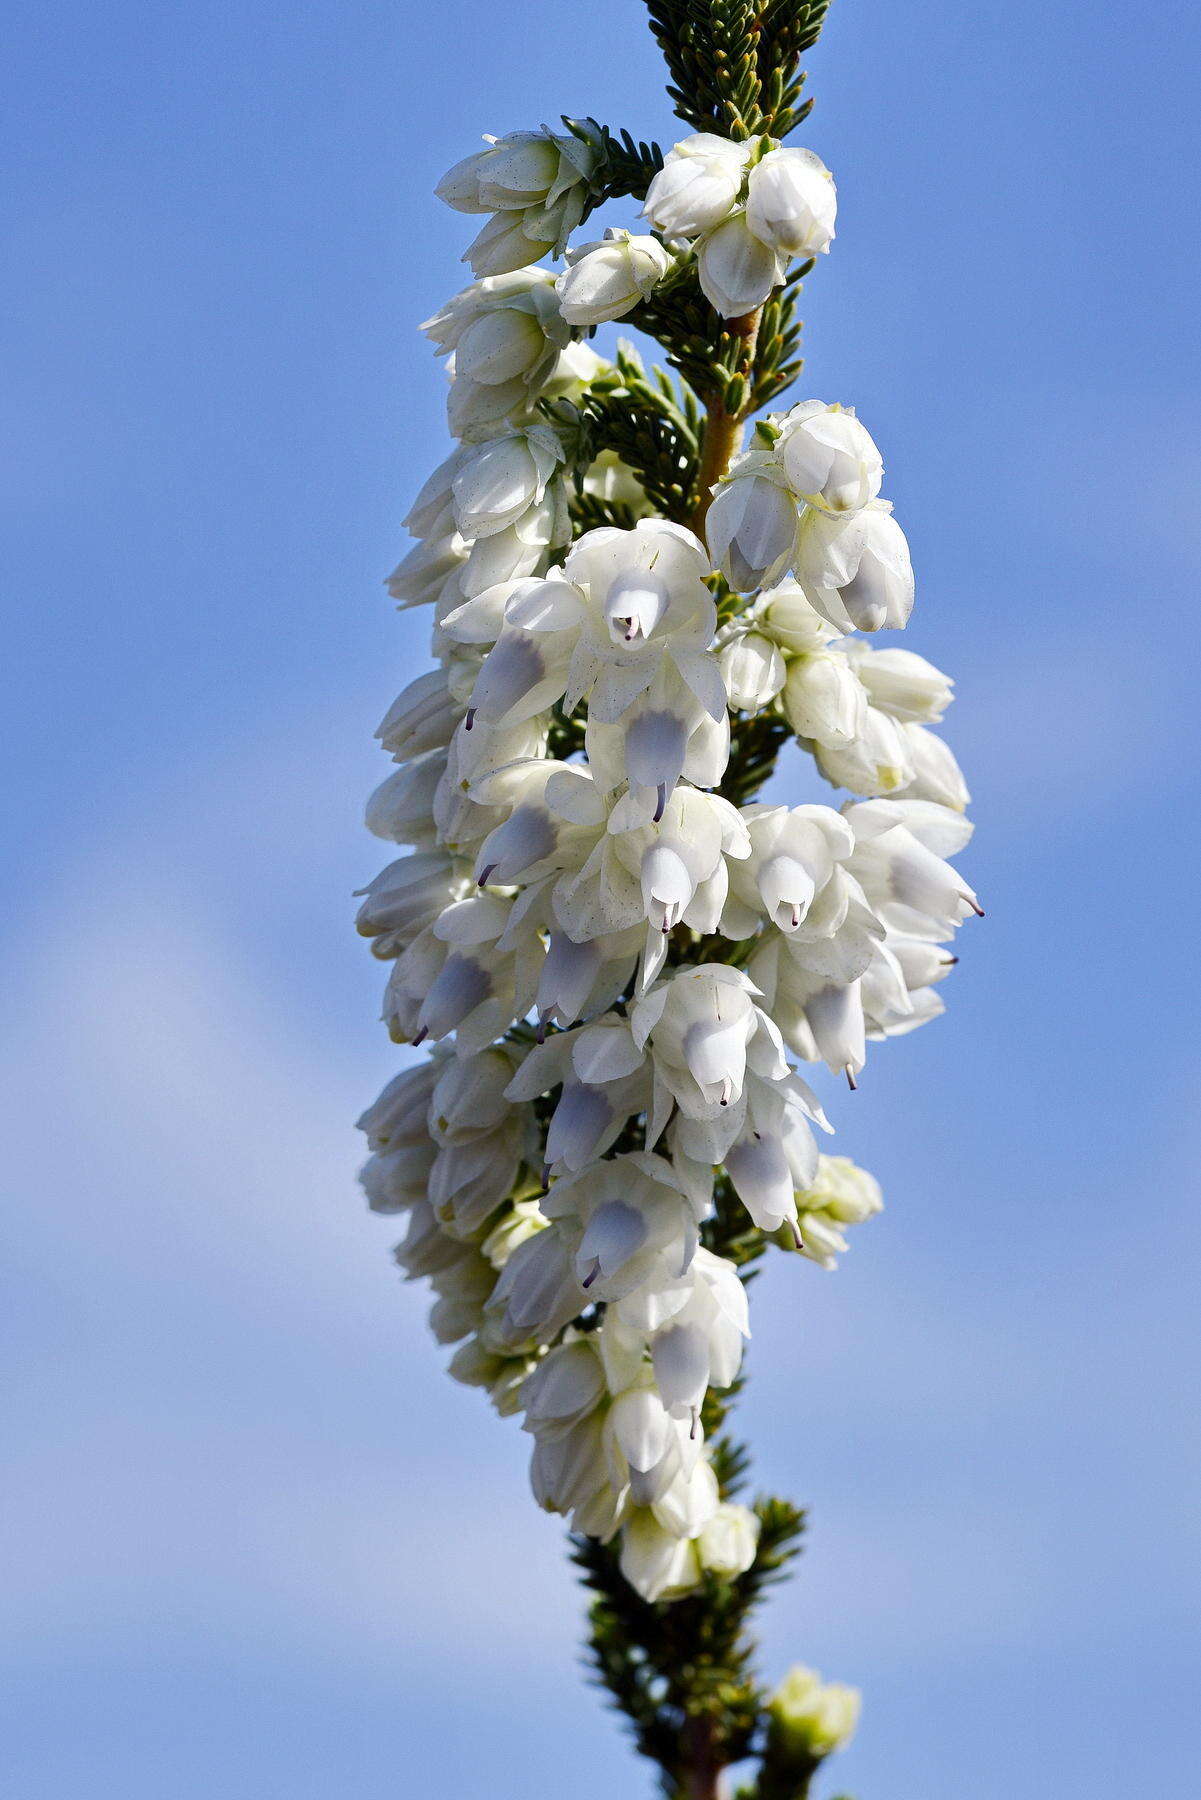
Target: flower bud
x=753, y=671
x=607, y=279
x=824, y=699
x=902, y=684
x=855, y=568
x=727, y=1544
x=828, y=458
x=533, y=183
x=791, y=203
x=751, y=529
x=697, y=185
x=736, y=269
x=809, y=1718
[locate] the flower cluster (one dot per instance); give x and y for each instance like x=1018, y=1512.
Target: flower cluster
x=747, y=210
x=616, y=966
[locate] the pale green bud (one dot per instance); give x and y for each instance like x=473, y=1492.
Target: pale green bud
x=810, y=1718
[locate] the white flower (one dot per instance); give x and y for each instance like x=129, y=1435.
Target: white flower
x=632, y=1225
x=737, y=269
x=791, y=203
x=876, y=760
x=697, y=185
x=828, y=458
x=505, y=335
x=429, y=571
x=406, y=898
x=841, y=1194
x=936, y=774
x=497, y=483
x=753, y=671
x=900, y=683
x=727, y=1543
x=705, y=1029
x=793, y=854
x=424, y=716
x=607, y=279
x=824, y=699
x=751, y=524
x=656, y=1563
x=535, y=185
x=855, y=568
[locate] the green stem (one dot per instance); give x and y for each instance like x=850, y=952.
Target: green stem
x=723, y=430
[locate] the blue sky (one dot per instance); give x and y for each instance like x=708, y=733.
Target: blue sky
x=256, y=1544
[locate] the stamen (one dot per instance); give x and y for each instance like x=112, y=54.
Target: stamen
x=469, y=721
x=662, y=805
x=421, y=1036
x=483, y=880
x=851, y=1082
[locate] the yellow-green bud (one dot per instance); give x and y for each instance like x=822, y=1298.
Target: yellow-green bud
x=811, y=1718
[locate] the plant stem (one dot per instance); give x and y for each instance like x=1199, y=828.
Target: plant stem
x=701, y=1769
x=723, y=430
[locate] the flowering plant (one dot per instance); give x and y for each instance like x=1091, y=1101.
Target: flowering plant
x=617, y=953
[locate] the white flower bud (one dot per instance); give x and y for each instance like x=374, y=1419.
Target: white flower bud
x=828, y=457
x=751, y=529
x=697, y=185
x=902, y=684
x=791, y=203
x=736, y=269
x=534, y=184
x=936, y=774
x=607, y=279
x=824, y=699
x=727, y=1544
x=855, y=568
x=809, y=1718
x=753, y=671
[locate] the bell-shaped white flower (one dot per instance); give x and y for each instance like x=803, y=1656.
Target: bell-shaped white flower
x=791, y=203
x=499, y=482
x=855, y=568
x=828, y=458
x=534, y=183
x=727, y=1544
x=787, y=616
x=936, y=774
x=875, y=761
x=398, y=1116
x=839, y=1195
x=900, y=683
x=608, y=278
x=751, y=524
x=428, y=573
x=753, y=671
x=424, y=716
x=504, y=337
x=656, y=1563
x=401, y=808
x=705, y=1029
x=793, y=855
x=406, y=898
x=915, y=891
x=737, y=268
x=824, y=699
x=536, y=1295
x=698, y=184
x=634, y=1226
